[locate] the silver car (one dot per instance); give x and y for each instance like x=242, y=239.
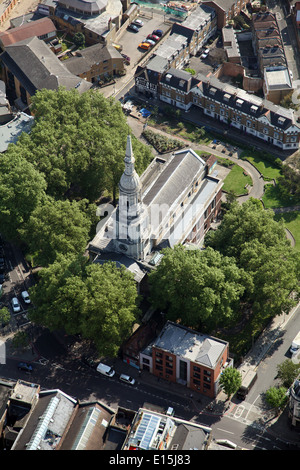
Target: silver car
x=127, y=379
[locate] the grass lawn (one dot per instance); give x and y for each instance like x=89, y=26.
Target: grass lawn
x=236, y=181
x=272, y=198
x=267, y=169
x=292, y=222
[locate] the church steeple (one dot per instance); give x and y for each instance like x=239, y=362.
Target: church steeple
x=131, y=217
x=130, y=185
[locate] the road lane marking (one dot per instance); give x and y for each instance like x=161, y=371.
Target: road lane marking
x=225, y=430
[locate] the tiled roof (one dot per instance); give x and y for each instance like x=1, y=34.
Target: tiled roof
x=27, y=30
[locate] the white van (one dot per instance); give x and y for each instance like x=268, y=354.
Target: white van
x=105, y=370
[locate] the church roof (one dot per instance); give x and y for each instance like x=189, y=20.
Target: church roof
x=175, y=178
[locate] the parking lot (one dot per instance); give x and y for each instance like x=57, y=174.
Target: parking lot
x=130, y=40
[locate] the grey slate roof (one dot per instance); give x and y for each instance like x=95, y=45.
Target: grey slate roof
x=37, y=67
x=190, y=344
x=242, y=101
x=188, y=437
x=90, y=7
x=175, y=178
x=179, y=79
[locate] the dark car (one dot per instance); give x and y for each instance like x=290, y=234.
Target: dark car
x=87, y=361
x=133, y=28
x=2, y=278
x=126, y=58
x=24, y=366
x=158, y=32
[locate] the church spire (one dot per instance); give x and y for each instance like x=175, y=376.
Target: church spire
x=129, y=158
x=130, y=181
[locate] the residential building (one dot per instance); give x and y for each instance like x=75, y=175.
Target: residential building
x=98, y=20
x=174, y=201
x=96, y=63
x=43, y=29
x=175, y=49
x=182, y=355
x=147, y=78
x=226, y=9
x=198, y=27
x=249, y=113
x=21, y=402
x=11, y=130
x=6, y=114
x=294, y=403
x=154, y=431
x=267, y=43
x=29, y=65
x=175, y=88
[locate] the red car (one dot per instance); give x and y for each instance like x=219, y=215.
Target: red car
x=153, y=37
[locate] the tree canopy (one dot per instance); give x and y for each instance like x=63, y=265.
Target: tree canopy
x=100, y=302
x=260, y=247
x=50, y=179
x=199, y=288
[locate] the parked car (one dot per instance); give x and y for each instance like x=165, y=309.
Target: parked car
x=152, y=43
x=204, y=54
x=25, y=297
x=2, y=278
x=126, y=58
x=15, y=304
x=89, y=362
x=133, y=28
x=25, y=366
x=158, y=32
x=144, y=45
x=126, y=378
x=138, y=23
x=153, y=37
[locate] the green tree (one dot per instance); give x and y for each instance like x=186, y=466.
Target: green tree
x=201, y=289
x=274, y=272
x=97, y=301
x=58, y=227
x=230, y=381
x=277, y=397
x=79, y=40
x=4, y=315
x=259, y=246
x=287, y=372
x=22, y=189
x=111, y=311
x=244, y=223
x=78, y=143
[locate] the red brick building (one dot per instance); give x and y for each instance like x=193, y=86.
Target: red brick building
x=182, y=355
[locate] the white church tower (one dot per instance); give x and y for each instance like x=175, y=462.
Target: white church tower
x=132, y=230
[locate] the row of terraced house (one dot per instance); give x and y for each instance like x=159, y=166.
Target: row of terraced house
x=162, y=78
